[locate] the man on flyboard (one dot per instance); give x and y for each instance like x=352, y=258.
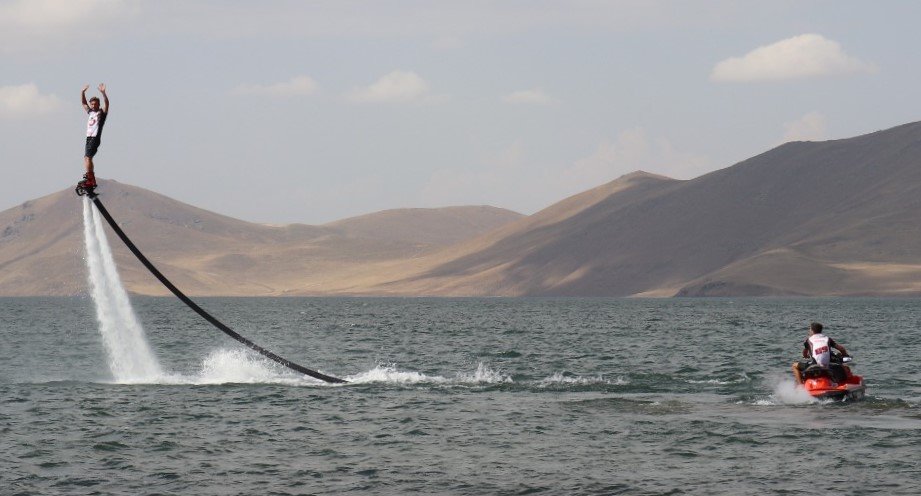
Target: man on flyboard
x=97, y=119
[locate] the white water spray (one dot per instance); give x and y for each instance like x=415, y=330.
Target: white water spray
x=130, y=357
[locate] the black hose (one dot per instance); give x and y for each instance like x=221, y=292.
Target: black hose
x=207, y=316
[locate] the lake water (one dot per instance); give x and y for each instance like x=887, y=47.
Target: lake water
x=459, y=396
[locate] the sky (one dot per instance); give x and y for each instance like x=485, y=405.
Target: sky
x=314, y=111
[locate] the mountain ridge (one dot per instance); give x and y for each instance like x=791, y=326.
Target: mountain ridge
x=829, y=218
x=842, y=204
x=207, y=253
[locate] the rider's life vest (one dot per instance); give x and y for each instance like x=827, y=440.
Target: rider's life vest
x=818, y=344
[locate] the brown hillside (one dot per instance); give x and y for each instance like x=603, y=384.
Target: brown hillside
x=826, y=218
x=839, y=217
x=41, y=245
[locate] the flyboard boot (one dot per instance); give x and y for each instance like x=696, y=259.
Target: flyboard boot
x=87, y=186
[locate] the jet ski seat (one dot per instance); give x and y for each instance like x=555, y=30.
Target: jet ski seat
x=834, y=370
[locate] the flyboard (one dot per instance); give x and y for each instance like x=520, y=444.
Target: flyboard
x=82, y=189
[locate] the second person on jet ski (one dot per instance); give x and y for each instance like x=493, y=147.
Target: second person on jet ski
x=816, y=350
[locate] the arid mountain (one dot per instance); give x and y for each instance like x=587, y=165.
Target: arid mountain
x=41, y=246
x=832, y=218
x=838, y=217
x=521, y=257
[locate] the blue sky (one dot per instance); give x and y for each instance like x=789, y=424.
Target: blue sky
x=296, y=111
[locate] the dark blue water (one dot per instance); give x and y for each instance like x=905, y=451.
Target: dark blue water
x=460, y=396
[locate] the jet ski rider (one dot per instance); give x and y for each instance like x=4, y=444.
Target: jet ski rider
x=817, y=350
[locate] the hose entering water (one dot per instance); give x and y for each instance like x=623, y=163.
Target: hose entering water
x=207, y=316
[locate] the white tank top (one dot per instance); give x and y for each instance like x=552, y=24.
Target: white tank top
x=820, y=350
x=94, y=123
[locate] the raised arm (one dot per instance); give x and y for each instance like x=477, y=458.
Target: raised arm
x=86, y=106
x=105, y=98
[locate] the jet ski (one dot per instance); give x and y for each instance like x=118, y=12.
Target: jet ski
x=835, y=382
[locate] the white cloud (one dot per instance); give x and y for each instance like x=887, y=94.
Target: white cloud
x=298, y=86
x=536, y=96
x=395, y=87
x=26, y=99
x=632, y=150
x=629, y=152
x=810, y=127
x=32, y=24
x=50, y=13
x=803, y=56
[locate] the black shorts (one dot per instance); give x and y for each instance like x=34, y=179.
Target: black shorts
x=92, y=146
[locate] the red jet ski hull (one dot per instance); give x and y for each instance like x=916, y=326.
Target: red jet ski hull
x=824, y=387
